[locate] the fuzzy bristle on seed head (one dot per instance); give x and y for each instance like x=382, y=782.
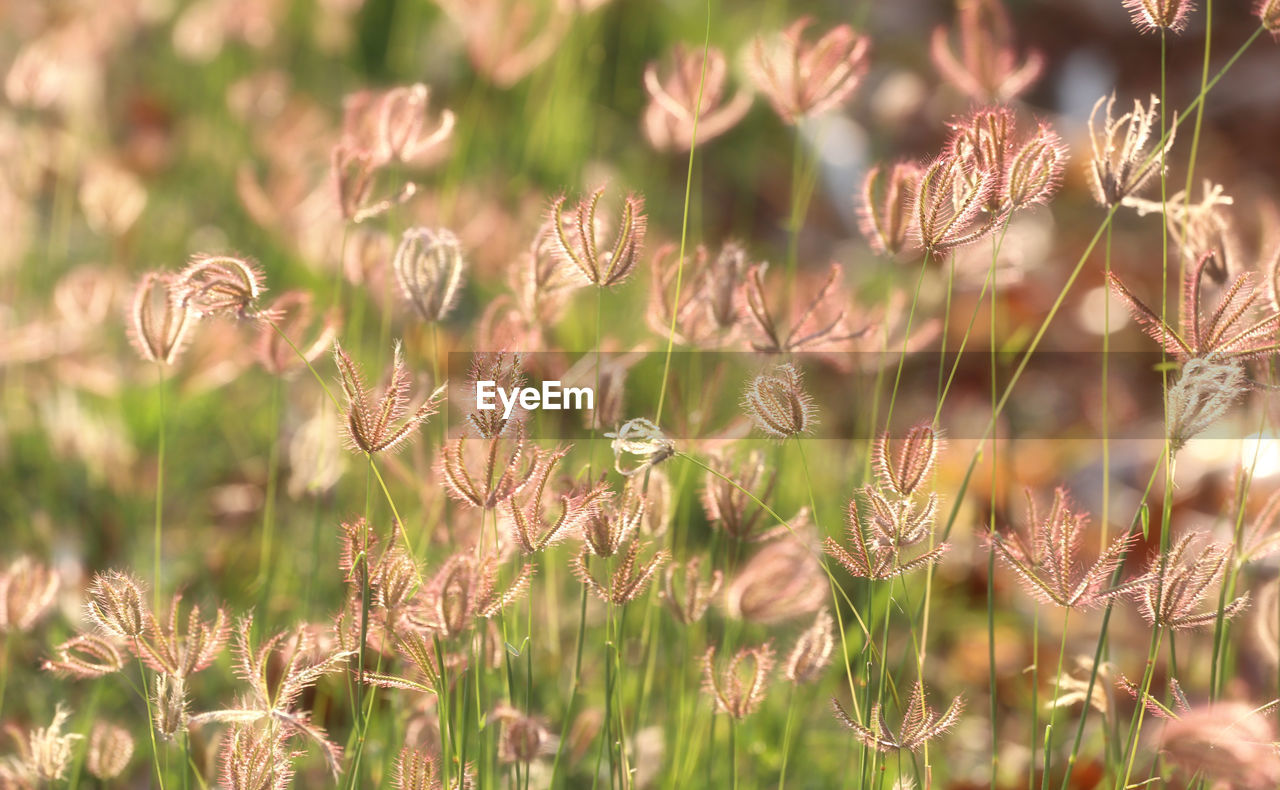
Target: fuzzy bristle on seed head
x=686, y=593
x=691, y=91
x=372, y=426
x=740, y=687
x=1268, y=12
x=159, y=318
x=116, y=604
x=884, y=216
x=212, y=284
x=109, y=752
x=430, y=268
x=577, y=244
x=27, y=590
x=807, y=78
x=812, y=651
x=1170, y=15
x=1034, y=173
x=85, y=656
x=986, y=68
x=908, y=466
x=1122, y=161
x=778, y=403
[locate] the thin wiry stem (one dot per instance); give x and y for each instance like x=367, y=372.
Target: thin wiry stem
x=684, y=222
x=159, y=510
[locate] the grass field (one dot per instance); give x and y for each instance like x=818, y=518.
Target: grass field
x=639, y=394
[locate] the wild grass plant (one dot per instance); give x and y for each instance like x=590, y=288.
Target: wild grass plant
x=931, y=351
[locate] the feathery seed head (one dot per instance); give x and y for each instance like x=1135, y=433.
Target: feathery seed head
x=730, y=504
x=812, y=651
x=692, y=91
x=1168, y=15
x=1173, y=586
x=778, y=404
x=986, y=68
x=1231, y=744
x=805, y=79
x=371, y=427
x=912, y=465
x=879, y=533
x=1034, y=173
x=949, y=203
x=47, y=751
x=174, y=650
x=116, y=604
x=464, y=590
x=109, y=752
x=430, y=268
x=213, y=284
x=630, y=577
x=402, y=120
x=576, y=237
x=740, y=687
x=686, y=593
x=160, y=318
x=417, y=769
x=920, y=724
x=256, y=758
x=609, y=522
x=1122, y=164
x=169, y=706
x=27, y=590
x=817, y=325
x=506, y=371
x=85, y=656
x=506, y=466
x=643, y=438
x=1046, y=558
x=1268, y=12
x=883, y=215
x=531, y=530
x=1205, y=390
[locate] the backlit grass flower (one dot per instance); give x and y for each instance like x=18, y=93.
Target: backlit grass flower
x=116, y=605
x=27, y=590
x=778, y=403
x=213, y=284
x=987, y=67
x=740, y=687
x=686, y=593
x=385, y=424
x=920, y=724
x=904, y=466
x=110, y=749
x=1243, y=325
x=160, y=318
x=1170, y=15
x=1046, y=558
x=691, y=90
x=430, y=268
x=812, y=650
x=466, y=589
x=1169, y=593
x=1123, y=162
x=807, y=78
x=578, y=244
x=630, y=578
x=880, y=531
x=883, y=214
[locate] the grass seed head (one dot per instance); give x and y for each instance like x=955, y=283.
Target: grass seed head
x=804, y=78
x=430, y=269
x=109, y=752
x=116, y=604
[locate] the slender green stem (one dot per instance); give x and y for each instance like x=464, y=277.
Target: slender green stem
x=786, y=735
x=159, y=508
x=151, y=719
x=1053, y=710
x=575, y=683
x=684, y=222
x=733, y=753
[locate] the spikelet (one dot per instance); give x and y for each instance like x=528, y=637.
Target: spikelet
x=812, y=651
x=912, y=465
x=214, y=284
x=159, y=318
x=778, y=404
x=630, y=577
x=85, y=656
x=741, y=686
x=524, y=738
x=1122, y=165
x=401, y=125
x=430, y=268
x=109, y=752
x=883, y=215
x=1174, y=584
x=987, y=68
x=577, y=244
x=27, y=590
x=692, y=91
x=371, y=427
x=685, y=592
x=920, y=724
x=116, y=605
x=1152, y=15
x=804, y=79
